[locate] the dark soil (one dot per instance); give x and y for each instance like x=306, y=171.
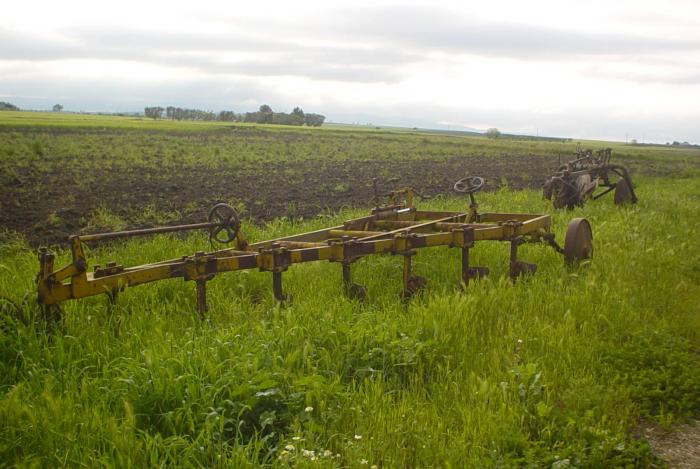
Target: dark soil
x=273, y=190
x=678, y=446
x=53, y=182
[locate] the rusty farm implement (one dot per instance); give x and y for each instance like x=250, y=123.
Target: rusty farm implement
x=396, y=227
x=578, y=180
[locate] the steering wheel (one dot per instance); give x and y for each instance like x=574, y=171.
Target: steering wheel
x=469, y=184
x=228, y=223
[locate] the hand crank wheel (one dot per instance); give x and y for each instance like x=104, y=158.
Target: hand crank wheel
x=469, y=184
x=578, y=241
x=228, y=223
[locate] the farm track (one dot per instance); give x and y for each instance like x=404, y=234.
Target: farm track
x=49, y=196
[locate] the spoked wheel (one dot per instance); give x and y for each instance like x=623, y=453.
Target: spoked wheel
x=578, y=241
x=228, y=223
x=469, y=184
x=623, y=193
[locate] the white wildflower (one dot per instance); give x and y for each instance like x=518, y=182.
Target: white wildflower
x=358, y=437
x=364, y=462
x=290, y=448
x=309, y=409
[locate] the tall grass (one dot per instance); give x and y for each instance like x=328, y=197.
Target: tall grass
x=554, y=370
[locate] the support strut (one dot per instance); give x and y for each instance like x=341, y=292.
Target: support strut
x=277, y=287
x=518, y=268
x=412, y=284
x=352, y=290
x=468, y=272
x=201, y=298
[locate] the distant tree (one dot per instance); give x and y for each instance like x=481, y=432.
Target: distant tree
x=282, y=118
x=8, y=106
x=57, y=108
x=633, y=141
x=493, y=132
x=297, y=116
x=227, y=116
x=155, y=112
x=314, y=120
x=265, y=115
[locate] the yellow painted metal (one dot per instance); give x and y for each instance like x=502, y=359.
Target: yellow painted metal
x=398, y=230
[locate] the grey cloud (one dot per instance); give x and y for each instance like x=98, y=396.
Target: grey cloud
x=682, y=78
x=442, y=30
x=117, y=95
x=204, y=53
x=373, y=44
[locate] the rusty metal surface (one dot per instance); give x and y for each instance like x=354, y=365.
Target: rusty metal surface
x=578, y=180
x=578, y=241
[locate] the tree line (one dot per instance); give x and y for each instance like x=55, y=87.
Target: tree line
x=8, y=106
x=264, y=115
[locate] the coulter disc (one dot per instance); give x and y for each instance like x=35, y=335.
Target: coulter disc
x=623, y=193
x=578, y=241
x=564, y=196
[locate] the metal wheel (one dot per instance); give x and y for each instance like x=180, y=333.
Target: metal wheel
x=469, y=184
x=229, y=223
x=623, y=193
x=578, y=241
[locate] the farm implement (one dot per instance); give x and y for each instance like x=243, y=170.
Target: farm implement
x=394, y=227
x=578, y=180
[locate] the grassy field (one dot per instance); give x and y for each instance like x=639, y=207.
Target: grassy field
x=556, y=370
x=66, y=173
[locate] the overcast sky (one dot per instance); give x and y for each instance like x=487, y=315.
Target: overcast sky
x=584, y=69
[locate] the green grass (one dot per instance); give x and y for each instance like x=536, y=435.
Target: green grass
x=34, y=143
x=553, y=370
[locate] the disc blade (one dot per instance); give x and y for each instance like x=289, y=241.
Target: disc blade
x=623, y=193
x=578, y=241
